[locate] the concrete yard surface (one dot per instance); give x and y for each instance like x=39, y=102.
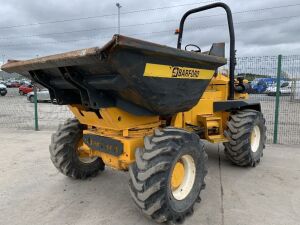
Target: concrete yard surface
x=33, y=192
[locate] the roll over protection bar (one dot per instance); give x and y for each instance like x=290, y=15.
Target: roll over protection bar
x=232, y=60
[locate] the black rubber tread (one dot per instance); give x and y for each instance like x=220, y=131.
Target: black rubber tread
x=63, y=152
x=240, y=125
x=149, y=175
x=31, y=99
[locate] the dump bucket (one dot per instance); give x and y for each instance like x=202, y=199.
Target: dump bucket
x=137, y=76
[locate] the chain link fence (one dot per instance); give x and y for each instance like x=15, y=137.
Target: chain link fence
x=263, y=72
x=17, y=112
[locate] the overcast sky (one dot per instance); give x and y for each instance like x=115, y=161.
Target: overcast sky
x=29, y=28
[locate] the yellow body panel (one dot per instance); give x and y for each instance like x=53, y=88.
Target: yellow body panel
x=119, y=125
x=130, y=144
x=112, y=118
x=131, y=130
x=203, y=115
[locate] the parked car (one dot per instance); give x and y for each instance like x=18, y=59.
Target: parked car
x=3, y=90
x=25, y=89
x=260, y=85
x=24, y=81
x=13, y=84
x=285, y=89
x=8, y=84
x=42, y=96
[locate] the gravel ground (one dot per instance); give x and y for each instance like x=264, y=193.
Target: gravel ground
x=17, y=112
x=33, y=192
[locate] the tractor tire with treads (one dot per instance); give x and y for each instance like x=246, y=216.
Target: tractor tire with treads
x=247, y=137
x=64, y=155
x=152, y=175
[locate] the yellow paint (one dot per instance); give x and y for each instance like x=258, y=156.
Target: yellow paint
x=131, y=130
x=113, y=118
x=82, y=150
x=178, y=120
x=177, y=175
x=203, y=115
x=119, y=125
x=127, y=157
x=177, y=72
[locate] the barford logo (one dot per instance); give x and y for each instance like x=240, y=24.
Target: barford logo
x=177, y=72
x=188, y=73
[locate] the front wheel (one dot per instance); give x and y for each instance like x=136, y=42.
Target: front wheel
x=168, y=175
x=66, y=154
x=247, y=137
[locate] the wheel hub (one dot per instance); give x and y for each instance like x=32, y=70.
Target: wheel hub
x=177, y=175
x=82, y=154
x=255, y=138
x=183, y=177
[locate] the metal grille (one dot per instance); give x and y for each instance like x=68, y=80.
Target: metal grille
x=17, y=112
x=262, y=72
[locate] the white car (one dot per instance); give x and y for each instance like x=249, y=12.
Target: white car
x=42, y=96
x=285, y=89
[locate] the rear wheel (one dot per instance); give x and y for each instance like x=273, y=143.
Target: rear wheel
x=247, y=137
x=168, y=175
x=66, y=153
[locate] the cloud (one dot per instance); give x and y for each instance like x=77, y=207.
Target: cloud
x=262, y=36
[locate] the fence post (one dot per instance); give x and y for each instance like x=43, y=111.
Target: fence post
x=36, y=119
x=277, y=100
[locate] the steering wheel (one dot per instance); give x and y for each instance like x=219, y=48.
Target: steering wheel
x=192, y=45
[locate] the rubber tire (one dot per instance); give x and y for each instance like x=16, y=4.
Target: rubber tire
x=150, y=175
x=3, y=94
x=21, y=92
x=240, y=125
x=31, y=99
x=63, y=153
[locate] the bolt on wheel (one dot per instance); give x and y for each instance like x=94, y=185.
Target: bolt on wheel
x=168, y=174
x=246, y=133
x=68, y=152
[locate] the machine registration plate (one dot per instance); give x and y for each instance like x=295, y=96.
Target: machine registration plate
x=103, y=144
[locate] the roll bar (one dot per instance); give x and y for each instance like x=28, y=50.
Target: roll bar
x=232, y=60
